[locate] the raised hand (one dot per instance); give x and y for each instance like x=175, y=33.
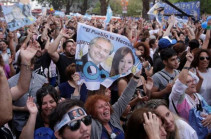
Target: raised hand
x=64, y=33
x=151, y=125
x=10, y=35
x=28, y=53
x=189, y=56
x=198, y=74
x=127, y=111
x=29, y=32
x=31, y=106
x=144, y=98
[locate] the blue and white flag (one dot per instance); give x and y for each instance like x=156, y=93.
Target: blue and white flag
x=87, y=16
x=17, y=16
x=59, y=13
x=108, y=15
x=181, y=22
x=102, y=57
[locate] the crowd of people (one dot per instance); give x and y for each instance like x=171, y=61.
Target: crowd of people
x=41, y=96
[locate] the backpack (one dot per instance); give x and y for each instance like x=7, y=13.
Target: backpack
x=44, y=133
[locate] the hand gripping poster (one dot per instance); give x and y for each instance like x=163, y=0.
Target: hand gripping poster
x=102, y=57
x=17, y=16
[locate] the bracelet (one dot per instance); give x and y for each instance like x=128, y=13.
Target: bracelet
x=123, y=119
x=186, y=68
x=136, y=77
x=27, y=66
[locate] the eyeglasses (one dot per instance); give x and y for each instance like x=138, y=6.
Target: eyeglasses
x=202, y=58
x=75, y=125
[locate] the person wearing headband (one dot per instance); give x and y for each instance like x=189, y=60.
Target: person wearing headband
x=70, y=121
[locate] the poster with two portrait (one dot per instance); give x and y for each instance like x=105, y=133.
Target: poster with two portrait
x=18, y=15
x=103, y=57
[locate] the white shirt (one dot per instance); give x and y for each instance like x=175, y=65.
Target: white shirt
x=185, y=130
x=205, y=90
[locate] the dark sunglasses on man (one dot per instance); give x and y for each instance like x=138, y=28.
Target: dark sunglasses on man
x=75, y=125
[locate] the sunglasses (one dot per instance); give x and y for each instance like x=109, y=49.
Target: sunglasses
x=75, y=125
x=202, y=58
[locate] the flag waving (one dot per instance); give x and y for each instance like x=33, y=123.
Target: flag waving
x=108, y=15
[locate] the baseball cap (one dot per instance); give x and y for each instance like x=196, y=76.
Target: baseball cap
x=166, y=42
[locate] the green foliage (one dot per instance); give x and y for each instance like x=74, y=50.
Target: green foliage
x=134, y=8
x=116, y=7
x=96, y=9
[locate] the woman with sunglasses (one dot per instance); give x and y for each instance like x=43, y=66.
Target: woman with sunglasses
x=70, y=121
x=202, y=62
x=38, y=122
x=106, y=118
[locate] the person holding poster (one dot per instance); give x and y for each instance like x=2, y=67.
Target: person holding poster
x=102, y=57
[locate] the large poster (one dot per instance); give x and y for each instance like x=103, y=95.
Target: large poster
x=191, y=8
x=17, y=16
x=102, y=57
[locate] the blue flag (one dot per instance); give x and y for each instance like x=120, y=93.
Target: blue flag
x=108, y=15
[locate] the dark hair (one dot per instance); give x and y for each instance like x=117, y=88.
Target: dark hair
x=61, y=109
x=120, y=53
x=1, y=61
x=195, y=62
x=153, y=26
x=70, y=70
x=46, y=90
x=151, y=42
x=146, y=48
x=193, y=44
x=99, y=91
x=65, y=43
x=6, y=42
x=182, y=60
x=167, y=53
x=180, y=33
x=179, y=47
x=135, y=128
x=146, y=34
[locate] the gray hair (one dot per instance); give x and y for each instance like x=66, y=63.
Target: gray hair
x=93, y=41
x=154, y=103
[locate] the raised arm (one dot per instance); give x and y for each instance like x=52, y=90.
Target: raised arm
x=171, y=22
x=28, y=37
x=11, y=44
x=126, y=96
x=52, y=50
x=207, y=40
x=28, y=129
x=5, y=99
x=25, y=71
x=184, y=73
